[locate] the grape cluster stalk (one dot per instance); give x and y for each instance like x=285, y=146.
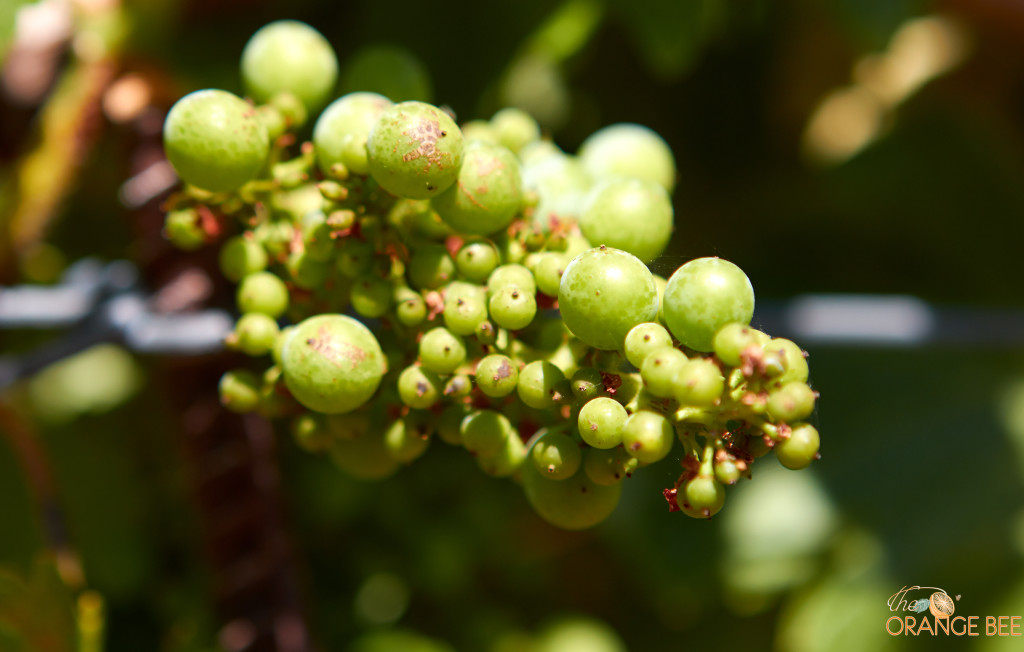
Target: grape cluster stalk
x=410, y=279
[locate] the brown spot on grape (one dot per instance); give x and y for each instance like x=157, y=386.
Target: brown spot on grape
x=335, y=351
x=421, y=388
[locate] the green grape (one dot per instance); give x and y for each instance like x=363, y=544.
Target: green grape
x=430, y=267
x=799, y=449
x=510, y=249
x=660, y=282
x=629, y=150
x=241, y=256
x=537, y=384
x=441, y=351
x=310, y=433
x=512, y=308
x=465, y=306
x=289, y=56
x=363, y=454
x=538, y=150
x=290, y=107
x=727, y=471
x=405, y=441
x=575, y=503
x=660, y=370
x=587, y=383
x=608, y=467
x=262, y=292
x=487, y=194
x=556, y=455
x=415, y=150
x=511, y=274
x=560, y=183
x=603, y=294
x=182, y=228
x=410, y=308
x=389, y=70
x=341, y=131
x=731, y=341
x=792, y=402
x=497, y=376
x=634, y=215
x=479, y=130
x=644, y=339
x=275, y=399
x=548, y=270
x=316, y=236
x=371, y=296
x=476, y=260
x=486, y=333
x=332, y=363
x=704, y=295
x=215, y=140
x=704, y=495
x=601, y=422
x=275, y=236
x=484, y=432
x=255, y=334
x=418, y=387
x=515, y=128
x=449, y=424
x=795, y=360
x=648, y=436
x=506, y=461
x=240, y=391
x=458, y=386
x=278, y=349
x=306, y=272
x=354, y=258
x=699, y=383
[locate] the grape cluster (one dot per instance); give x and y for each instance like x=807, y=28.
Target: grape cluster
x=412, y=279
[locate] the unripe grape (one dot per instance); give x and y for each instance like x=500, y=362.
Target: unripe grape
x=727, y=471
x=418, y=387
x=389, y=70
x=278, y=349
x=648, y=436
x=449, y=425
x=332, y=363
x=634, y=215
x=341, y=131
x=476, y=260
x=603, y=294
x=644, y=339
x=704, y=495
x=795, y=360
x=240, y=391
x=182, y=228
x=305, y=271
x=601, y=421
x=487, y=194
x=507, y=460
x=704, y=295
x=465, y=307
x=441, y=351
x=255, y=334
x=515, y=128
x=262, y=292
x=660, y=371
x=311, y=433
x=363, y=454
x=699, y=383
x=430, y=267
x=512, y=308
x=215, y=140
x=608, y=467
x=371, y=296
x=289, y=56
x=556, y=456
x=405, y=441
x=415, y=150
x=241, y=256
x=484, y=432
x=479, y=130
x=537, y=384
x=458, y=386
x=410, y=308
x=497, y=376
x=575, y=503
x=512, y=274
x=629, y=150
x=799, y=449
x=731, y=341
x=792, y=402
x=355, y=257
x=548, y=269
x=587, y=383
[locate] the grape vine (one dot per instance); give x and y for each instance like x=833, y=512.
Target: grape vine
x=410, y=280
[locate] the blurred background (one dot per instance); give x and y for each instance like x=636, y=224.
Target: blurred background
x=864, y=148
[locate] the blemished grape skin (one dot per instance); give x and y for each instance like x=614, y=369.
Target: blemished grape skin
x=629, y=150
x=704, y=295
x=332, y=363
x=341, y=131
x=497, y=376
x=633, y=215
x=575, y=503
x=603, y=294
x=289, y=56
x=487, y=194
x=215, y=140
x=418, y=387
x=415, y=150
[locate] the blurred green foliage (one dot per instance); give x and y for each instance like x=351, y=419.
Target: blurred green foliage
x=920, y=481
